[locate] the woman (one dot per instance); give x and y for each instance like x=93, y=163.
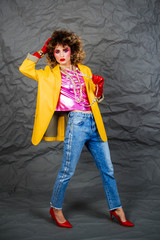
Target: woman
x=67, y=110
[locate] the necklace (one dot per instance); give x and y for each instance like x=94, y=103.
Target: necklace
x=79, y=99
x=71, y=68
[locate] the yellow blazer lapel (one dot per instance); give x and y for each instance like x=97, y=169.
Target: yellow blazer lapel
x=90, y=87
x=57, y=84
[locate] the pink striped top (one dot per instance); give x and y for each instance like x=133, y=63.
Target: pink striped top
x=67, y=98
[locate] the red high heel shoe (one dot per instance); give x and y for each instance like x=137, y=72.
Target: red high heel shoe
x=126, y=223
x=65, y=224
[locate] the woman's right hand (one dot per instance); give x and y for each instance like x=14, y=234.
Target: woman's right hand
x=43, y=50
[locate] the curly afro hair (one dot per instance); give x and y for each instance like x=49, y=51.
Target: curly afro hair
x=64, y=37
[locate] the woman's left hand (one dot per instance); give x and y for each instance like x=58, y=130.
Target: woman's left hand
x=98, y=80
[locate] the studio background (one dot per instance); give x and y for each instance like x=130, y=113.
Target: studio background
x=122, y=43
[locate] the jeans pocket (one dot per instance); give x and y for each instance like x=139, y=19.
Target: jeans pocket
x=78, y=120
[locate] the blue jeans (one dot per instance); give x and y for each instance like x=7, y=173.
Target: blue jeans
x=81, y=129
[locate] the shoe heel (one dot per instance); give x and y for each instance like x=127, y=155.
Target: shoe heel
x=126, y=223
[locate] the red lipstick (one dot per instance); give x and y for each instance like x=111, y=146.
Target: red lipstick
x=62, y=59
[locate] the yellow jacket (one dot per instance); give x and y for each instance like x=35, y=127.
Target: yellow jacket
x=49, y=85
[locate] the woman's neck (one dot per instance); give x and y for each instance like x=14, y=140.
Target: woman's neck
x=69, y=67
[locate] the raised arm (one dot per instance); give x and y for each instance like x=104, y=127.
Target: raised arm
x=28, y=66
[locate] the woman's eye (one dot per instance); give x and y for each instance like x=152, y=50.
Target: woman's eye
x=66, y=50
x=57, y=51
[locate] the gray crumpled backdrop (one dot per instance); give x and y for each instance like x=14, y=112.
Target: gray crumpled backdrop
x=122, y=44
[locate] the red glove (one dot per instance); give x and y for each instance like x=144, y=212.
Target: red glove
x=42, y=51
x=98, y=81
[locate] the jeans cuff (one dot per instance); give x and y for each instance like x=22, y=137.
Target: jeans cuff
x=54, y=207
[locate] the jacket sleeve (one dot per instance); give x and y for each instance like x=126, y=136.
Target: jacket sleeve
x=28, y=67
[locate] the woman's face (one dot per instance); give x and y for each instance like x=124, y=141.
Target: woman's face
x=62, y=55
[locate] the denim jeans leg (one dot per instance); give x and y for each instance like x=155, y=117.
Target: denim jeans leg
x=101, y=154
x=71, y=153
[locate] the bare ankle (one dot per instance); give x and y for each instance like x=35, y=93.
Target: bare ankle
x=57, y=210
x=59, y=214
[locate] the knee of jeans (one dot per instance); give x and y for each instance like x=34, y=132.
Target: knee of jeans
x=70, y=174
x=65, y=175
x=109, y=170
x=111, y=173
